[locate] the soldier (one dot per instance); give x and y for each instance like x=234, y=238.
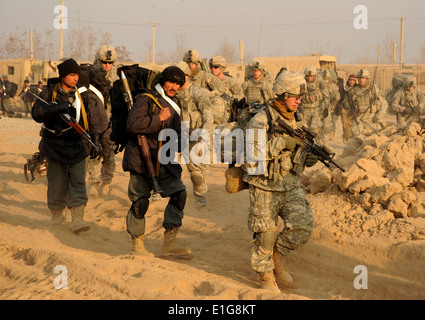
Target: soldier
x=329, y=121
x=149, y=117
x=276, y=192
x=346, y=114
x=27, y=97
x=101, y=170
x=63, y=146
x=259, y=87
x=201, y=77
x=197, y=111
x=408, y=103
x=315, y=100
x=5, y=96
x=366, y=103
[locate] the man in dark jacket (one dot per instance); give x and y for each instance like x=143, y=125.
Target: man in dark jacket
x=5, y=95
x=64, y=148
x=149, y=117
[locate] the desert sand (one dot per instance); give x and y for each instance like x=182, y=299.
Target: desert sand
x=100, y=263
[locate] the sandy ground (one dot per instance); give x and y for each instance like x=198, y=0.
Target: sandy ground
x=100, y=263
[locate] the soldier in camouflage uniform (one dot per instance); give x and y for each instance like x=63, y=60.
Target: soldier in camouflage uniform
x=408, y=103
x=101, y=170
x=200, y=77
x=329, y=121
x=259, y=87
x=315, y=101
x=231, y=89
x=276, y=192
x=368, y=103
x=197, y=111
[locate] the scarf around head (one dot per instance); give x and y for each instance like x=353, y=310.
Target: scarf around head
x=282, y=109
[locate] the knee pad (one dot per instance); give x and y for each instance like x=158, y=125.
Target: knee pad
x=266, y=240
x=196, y=179
x=178, y=199
x=140, y=207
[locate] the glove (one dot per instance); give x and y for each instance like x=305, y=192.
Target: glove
x=325, y=112
x=311, y=159
x=96, y=153
x=375, y=119
x=291, y=143
x=59, y=108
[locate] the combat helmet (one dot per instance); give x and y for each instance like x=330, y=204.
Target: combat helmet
x=106, y=53
x=363, y=73
x=218, y=61
x=289, y=82
x=184, y=67
x=192, y=55
x=410, y=81
x=310, y=71
x=259, y=64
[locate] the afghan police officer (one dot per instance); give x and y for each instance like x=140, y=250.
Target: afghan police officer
x=63, y=146
x=201, y=77
x=367, y=102
x=408, y=103
x=315, y=100
x=258, y=88
x=197, y=112
x=102, y=169
x=151, y=114
x=276, y=192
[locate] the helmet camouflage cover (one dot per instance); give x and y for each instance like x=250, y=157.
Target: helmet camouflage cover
x=192, y=55
x=259, y=64
x=363, y=73
x=410, y=81
x=218, y=61
x=310, y=71
x=106, y=53
x=289, y=82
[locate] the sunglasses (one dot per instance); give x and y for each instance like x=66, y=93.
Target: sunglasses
x=106, y=62
x=296, y=96
x=215, y=67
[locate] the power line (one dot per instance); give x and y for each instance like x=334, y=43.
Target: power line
x=233, y=25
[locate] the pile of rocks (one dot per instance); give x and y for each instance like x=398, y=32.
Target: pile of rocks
x=385, y=172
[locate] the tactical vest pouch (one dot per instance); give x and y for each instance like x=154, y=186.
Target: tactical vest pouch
x=234, y=180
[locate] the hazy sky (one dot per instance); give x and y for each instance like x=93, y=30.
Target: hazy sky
x=267, y=27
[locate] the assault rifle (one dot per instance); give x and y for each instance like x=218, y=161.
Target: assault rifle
x=36, y=166
x=71, y=122
x=306, y=138
x=141, y=139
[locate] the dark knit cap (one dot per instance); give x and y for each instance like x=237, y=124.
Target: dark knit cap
x=173, y=74
x=67, y=67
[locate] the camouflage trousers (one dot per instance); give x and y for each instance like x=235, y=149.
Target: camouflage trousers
x=364, y=121
x=312, y=118
x=102, y=170
x=265, y=209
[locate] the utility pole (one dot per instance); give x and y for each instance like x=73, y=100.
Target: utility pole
x=401, y=41
x=61, y=31
x=154, y=23
x=31, y=47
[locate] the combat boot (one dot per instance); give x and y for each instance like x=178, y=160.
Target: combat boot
x=282, y=275
x=57, y=217
x=267, y=281
x=77, y=224
x=105, y=188
x=139, y=245
x=171, y=249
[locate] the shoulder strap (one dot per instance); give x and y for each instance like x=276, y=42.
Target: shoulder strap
x=153, y=98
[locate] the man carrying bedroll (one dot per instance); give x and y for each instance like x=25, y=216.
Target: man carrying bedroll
x=64, y=148
x=149, y=116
